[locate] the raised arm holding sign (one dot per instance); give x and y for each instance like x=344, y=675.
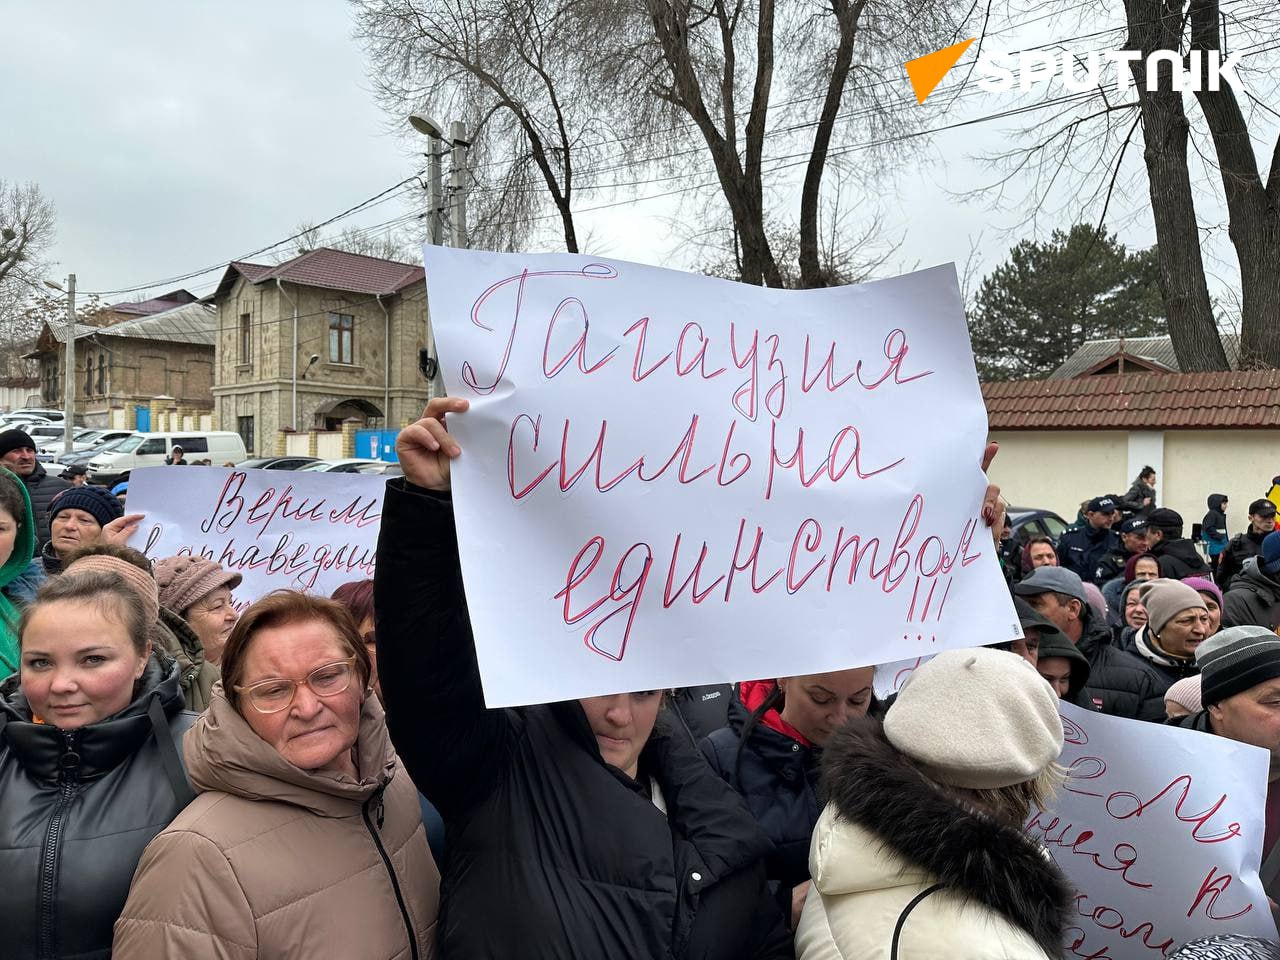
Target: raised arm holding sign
x=580, y=814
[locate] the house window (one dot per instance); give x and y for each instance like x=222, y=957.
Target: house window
x=341, y=333
x=88, y=375
x=246, y=338
x=244, y=427
x=102, y=375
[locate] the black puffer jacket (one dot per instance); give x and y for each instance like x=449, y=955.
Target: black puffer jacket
x=552, y=853
x=1240, y=548
x=80, y=806
x=777, y=776
x=1119, y=683
x=1253, y=600
x=1179, y=559
x=42, y=488
x=702, y=710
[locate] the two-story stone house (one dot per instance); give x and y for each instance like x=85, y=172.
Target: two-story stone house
x=310, y=343
x=122, y=368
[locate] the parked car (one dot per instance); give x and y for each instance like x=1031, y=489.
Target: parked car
x=47, y=413
x=151, y=449
x=84, y=456
x=277, y=463
x=91, y=439
x=354, y=465
x=1028, y=522
x=16, y=422
x=48, y=448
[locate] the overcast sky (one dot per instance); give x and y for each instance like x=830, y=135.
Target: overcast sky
x=175, y=136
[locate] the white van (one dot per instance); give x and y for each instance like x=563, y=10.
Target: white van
x=150, y=449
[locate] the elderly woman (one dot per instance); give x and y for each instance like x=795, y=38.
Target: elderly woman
x=199, y=591
x=770, y=752
x=19, y=574
x=305, y=840
x=81, y=517
x=89, y=765
x=920, y=851
x=1177, y=622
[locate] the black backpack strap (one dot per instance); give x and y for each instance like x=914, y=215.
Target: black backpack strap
x=169, y=753
x=902, y=917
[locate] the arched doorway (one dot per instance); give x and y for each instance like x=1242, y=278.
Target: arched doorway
x=330, y=416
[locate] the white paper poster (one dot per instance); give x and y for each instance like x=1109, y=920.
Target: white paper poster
x=670, y=479
x=1160, y=831
x=277, y=528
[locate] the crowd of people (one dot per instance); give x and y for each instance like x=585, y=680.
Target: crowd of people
x=320, y=777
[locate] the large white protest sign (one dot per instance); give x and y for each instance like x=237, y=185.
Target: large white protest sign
x=278, y=528
x=670, y=479
x=1159, y=830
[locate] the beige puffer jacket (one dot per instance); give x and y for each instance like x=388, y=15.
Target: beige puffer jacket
x=275, y=862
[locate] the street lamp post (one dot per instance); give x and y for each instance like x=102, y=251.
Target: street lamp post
x=429, y=128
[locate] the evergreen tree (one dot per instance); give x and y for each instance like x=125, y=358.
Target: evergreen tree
x=1036, y=309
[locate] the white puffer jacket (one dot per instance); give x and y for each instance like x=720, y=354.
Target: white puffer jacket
x=887, y=836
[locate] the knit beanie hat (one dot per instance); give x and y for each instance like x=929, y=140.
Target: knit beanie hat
x=1203, y=585
x=1236, y=659
x=135, y=578
x=15, y=440
x=1186, y=693
x=95, y=501
x=184, y=580
x=1165, y=599
x=977, y=719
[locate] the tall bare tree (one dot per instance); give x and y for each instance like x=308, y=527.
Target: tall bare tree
x=1253, y=204
x=1086, y=143
x=524, y=75
x=720, y=63
x=26, y=229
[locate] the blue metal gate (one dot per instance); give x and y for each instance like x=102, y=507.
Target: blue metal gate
x=143, y=415
x=377, y=444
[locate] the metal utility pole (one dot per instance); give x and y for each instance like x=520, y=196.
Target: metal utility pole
x=435, y=135
x=458, y=184
x=69, y=400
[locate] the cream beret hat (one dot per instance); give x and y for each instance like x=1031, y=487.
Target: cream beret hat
x=977, y=719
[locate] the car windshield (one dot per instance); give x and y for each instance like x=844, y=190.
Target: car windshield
x=319, y=466
x=88, y=435
x=130, y=443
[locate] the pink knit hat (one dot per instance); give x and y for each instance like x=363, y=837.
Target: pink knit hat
x=1185, y=692
x=185, y=580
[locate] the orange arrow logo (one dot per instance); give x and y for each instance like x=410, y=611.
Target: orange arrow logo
x=927, y=72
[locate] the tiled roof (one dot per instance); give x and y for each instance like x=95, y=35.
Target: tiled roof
x=166, y=301
x=1162, y=401
x=333, y=270
x=1156, y=350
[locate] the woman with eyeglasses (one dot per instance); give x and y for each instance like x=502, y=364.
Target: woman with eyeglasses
x=306, y=838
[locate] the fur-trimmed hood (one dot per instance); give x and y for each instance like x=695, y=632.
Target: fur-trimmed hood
x=929, y=836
